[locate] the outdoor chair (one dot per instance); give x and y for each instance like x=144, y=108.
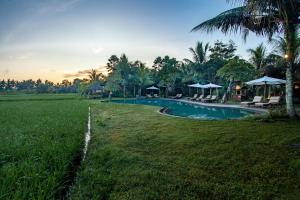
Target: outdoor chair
x=155, y=96
x=193, y=98
x=256, y=99
x=200, y=97
x=175, y=97
x=148, y=96
x=273, y=101
x=208, y=97
x=178, y=96
x=212, y=99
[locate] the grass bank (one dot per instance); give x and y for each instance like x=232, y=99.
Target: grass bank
x=137, y=153
x=39, y=141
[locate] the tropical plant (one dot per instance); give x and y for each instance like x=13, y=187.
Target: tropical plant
x=236, y=70
x=264, y=17
x=199, y=53
x=258, y=56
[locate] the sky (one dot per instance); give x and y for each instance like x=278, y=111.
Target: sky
x=50, y=39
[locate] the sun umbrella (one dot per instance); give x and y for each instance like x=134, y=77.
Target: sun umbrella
x=211, y=85
x=197, y=85
x=266, y=81
x=152, y=88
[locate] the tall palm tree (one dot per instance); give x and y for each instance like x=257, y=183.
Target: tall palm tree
x=199, y=53
x=264, y=17
x=258, y=56
x=94, y=75
x=280, y=48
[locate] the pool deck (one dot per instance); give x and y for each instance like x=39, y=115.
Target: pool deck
x=261, y=110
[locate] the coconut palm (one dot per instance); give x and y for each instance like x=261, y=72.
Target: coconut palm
x=258, y=56
x=199, y=53
x=264, y=17
x=280, y=48
x=94, y=75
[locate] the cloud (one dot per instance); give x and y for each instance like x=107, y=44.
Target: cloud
x=97, y=50
x=84, y=73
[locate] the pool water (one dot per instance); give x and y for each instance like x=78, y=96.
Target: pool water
x=190, y=110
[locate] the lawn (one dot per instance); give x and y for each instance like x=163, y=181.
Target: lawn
x=137, y=153
x=41, y=136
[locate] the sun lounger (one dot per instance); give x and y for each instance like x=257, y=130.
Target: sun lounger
x=273, y=101
x=148, y=96
x=256, y=99
x=208, y=97
x=155, y=96
x=193, y=98
x=200, y=97
x=212, y=99
x=178, y=96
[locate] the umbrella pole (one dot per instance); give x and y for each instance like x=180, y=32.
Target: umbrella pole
x=210, y=91
x=265, y=91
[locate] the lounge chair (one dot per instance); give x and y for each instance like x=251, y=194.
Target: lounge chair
x=208, y=97
x=175, y=97
x=256, y=99
x=212, y=99
x=178, y=96
x=155, y=96
x=200, y=97
x=193, y=98
x=273, y=101
x=148, y=95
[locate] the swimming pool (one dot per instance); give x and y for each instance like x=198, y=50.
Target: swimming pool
x=190, y=110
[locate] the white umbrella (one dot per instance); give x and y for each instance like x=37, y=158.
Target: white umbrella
x=197, y=85
x=266, y=81
x=211, y=85
x=152, y=88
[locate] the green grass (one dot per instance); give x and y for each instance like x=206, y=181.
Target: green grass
x=39, y=141
x=137, y=153
x=38, y=97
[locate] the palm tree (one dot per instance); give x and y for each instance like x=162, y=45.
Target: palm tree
x=280, y=48
x=94, y=75
x=264, y=17
x=258, y=56
x=199, y=53
x=143, y=77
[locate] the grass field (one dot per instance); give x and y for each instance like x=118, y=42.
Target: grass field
x=136, y=153
x=41, y=135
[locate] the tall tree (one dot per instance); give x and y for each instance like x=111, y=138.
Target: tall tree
x=258, y=56
x=264, y=17
x=199, y=53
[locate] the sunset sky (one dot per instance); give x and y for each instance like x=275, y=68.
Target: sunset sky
x=49, y=39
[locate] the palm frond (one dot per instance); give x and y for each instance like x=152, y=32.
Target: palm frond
x=242, y=20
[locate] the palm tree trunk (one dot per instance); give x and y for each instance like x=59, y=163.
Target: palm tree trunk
x=228, y=91
x=290, y=108
x=140, y=91
x=124, y=91
x=290, y=36
x=134, y=91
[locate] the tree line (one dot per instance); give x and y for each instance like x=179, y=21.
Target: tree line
x=217, y=63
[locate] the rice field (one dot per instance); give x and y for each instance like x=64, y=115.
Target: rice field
x=41, y=137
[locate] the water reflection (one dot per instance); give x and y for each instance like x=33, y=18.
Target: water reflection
x=184, y=109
